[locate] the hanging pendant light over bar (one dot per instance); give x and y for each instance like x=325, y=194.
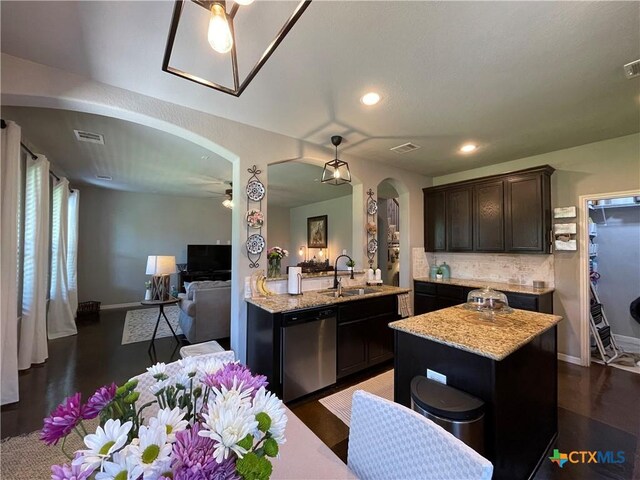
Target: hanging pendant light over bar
x=336, y=172
x=222, y=38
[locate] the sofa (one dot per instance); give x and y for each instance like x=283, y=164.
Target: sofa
x=205, y=310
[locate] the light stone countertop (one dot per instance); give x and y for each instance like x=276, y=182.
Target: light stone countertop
x=494, y=338
x=505, y=287
x=318, y=298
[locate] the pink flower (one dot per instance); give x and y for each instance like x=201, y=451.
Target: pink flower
x=62, y=420
x=226, y=375
x=99, y=400
x=66, y=472
x=193, y=458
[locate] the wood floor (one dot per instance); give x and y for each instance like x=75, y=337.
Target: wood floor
x=599, y=407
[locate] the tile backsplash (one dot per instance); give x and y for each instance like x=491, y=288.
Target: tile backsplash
x=505, y=268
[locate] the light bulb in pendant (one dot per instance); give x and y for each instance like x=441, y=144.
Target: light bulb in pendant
x=219, y=35
x=244, y=3
x=336, y=173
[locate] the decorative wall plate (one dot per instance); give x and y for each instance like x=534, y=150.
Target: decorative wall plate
x=372, y=246
x=255, y=218
x=255, y=190
x=255, y=244
x=372, y=207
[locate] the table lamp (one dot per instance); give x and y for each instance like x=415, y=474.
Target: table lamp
x=161, y=267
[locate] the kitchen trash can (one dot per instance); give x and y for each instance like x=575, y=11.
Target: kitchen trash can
x=454, y=410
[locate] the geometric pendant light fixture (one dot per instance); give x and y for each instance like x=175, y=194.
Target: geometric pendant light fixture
x=232, y=74
x=336, y=172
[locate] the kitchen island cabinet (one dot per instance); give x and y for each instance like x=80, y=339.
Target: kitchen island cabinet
x=509, y=362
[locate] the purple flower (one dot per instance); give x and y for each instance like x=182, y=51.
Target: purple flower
x=99, y=400
x=193, y=458
x=226, y=375
x=62, y=420
x=66, y=472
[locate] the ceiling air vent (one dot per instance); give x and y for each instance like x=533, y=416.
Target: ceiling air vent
x=104, y=177
x=632, y=70
x=405, y=148
x=83, y=136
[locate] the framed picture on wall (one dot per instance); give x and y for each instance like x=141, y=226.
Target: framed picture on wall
x=317, y=232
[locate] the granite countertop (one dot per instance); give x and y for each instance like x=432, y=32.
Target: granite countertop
x=505, y=287
x=318, y=298
x=494, y=338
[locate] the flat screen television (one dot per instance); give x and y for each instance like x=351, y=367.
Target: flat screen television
x=208, y=258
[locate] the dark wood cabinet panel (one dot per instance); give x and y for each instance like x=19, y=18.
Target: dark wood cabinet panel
x=524, y=216
x=352, y=347
x=380, y=340
x=423, y=303
x=488, y=224
x=459, y=219
x=508, y=213
x=434, y=222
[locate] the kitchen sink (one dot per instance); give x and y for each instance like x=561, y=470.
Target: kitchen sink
x=350, y=292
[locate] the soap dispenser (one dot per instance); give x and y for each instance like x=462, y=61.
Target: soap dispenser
x=433, y=271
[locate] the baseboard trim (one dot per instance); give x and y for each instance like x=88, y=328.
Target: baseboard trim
x=569, y=359
x=113, y=306
x=628, y=344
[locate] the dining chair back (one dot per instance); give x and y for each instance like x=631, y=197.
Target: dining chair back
x=390, y=441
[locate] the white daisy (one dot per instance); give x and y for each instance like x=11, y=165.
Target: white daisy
x=267, y=402
x=158, y=371
x=171, y=420
x=231, y=396
x=122, y=467
x=103, y=443
x=227, y=423
x=159, y=386
x=151, y=450
x=189, y=365
x=210, y=366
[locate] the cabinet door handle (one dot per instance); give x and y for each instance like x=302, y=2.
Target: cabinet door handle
x=551, y=241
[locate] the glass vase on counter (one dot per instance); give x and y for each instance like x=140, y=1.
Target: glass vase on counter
x=273, y=269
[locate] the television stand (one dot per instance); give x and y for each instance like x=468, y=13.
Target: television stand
x=204, y=275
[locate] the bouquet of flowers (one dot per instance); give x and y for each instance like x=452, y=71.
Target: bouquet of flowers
x=277, y=252
x=213, y=421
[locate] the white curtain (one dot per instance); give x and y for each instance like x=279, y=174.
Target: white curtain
x=10, y=180
x=32, y=346
x=61, y=317
x=72, y=249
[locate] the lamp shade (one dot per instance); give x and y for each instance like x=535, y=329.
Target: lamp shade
x=161, y=265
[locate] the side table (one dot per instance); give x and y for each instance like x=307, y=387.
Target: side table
x=161, y=304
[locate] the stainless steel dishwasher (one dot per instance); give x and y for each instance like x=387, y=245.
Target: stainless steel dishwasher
x=308, y=352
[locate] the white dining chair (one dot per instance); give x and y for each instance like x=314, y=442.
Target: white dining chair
x=389, y=441
x=146, y=380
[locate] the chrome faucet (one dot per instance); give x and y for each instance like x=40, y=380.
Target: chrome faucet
x=335, y=271
x=339, y=291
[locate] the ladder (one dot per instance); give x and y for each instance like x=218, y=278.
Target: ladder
x=601, y=330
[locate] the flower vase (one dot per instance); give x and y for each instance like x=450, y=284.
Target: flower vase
x=147, y=294
x=274, y=267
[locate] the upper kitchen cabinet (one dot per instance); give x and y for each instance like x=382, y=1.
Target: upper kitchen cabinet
x=508, y=213
x=459, y=219
x=434, y=221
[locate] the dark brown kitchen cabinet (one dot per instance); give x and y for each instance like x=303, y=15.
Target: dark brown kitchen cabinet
x=488, y=217
x=459, y=205
x=508, y=213
x=434, y=221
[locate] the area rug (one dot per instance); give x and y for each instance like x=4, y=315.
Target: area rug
x=27, y=458
x=139, y=324
x=340, y=403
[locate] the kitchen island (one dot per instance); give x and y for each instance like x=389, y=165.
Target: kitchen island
x=508, y=360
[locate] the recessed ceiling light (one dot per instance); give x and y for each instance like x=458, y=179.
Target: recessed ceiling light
x=370, y=98
x=468, y=148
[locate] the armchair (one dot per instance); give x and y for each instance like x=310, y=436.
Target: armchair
x=205, y=310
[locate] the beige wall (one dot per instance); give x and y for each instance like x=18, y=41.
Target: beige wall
x=339, y=227
x=601, y=167
x=278, y=232
x=118, y=230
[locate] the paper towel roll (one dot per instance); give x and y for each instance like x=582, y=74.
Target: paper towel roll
x=294, y=285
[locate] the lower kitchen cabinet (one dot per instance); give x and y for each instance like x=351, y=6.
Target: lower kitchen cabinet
x=364, y=336
x=430, y=296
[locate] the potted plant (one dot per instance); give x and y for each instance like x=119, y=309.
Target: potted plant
x=350, y=265
x=147, y=293
x=439, y=273
x=275, y=256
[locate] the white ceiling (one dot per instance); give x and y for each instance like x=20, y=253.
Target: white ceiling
x=518, y=78
x=138, y=158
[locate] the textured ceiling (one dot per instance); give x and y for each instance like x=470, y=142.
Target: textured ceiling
x=139, y=158
x=518, y=78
